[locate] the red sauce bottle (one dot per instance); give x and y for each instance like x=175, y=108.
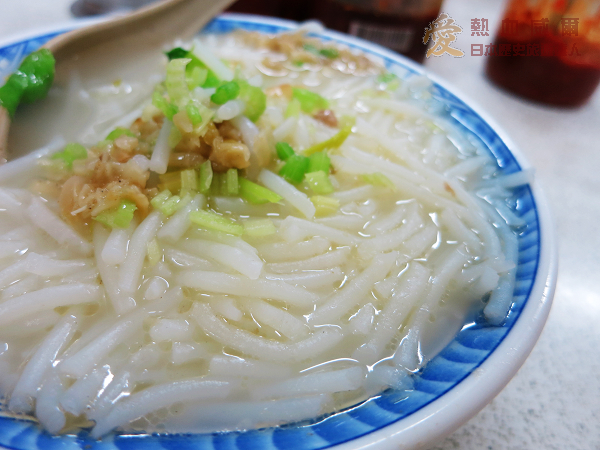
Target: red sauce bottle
x=547, y=51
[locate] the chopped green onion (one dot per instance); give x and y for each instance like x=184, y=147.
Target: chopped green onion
x=255, y=193
x=255, y=100
x=225, y=92
x=193, y=114
x=117, y=132
x=70, y=153
x=284, y=150
x=119, y=217
x=309, y=101
x=166, y=203
x=174, y=137
x=294, y=168
x=298, y=63
x=319, y=182
x=206, y=176
x=319, y=161
x=293, y=108
x=333, y=142
x=378, y=179
x=160, y=198
x=214, y=221
x=175, y=53
x=259, y=227
x=189, y=182
x=325, y=206
x=386, y=77
x=176, y=80
x=219, y=184
x=153, y=252
x=329, y=52
x=233, y=187
x=170, y=180
x=311, y=48
x=168, y=109
x=195, y=77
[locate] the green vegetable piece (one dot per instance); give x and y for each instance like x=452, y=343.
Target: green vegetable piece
x=170, y=181
x=378, y=179
x=168, y=109
x=153, y=252
x=189, y=181
x=176, y=80
x=284, y=150
x=206, y=177
x=319, y=182
x=210, y=80
x=259, y=227
x=160, y=198
x=119, y=217
x=309, y=101
x=319, y=161
x=38, y=67
x=386, y=77
x=213, y=221
x=255, y=100
x=176, y=53
x=335, y=141
x=311, y=48
x=294, y=168
x=225, y=92
x=298, y=63
x=195, y=77
x=325, y=206
x=293, y=108
x=232, y=184
x=193, y=114
x=30, y=82
x=329, y=52
x=70, y=153
x=171, y=206
x=117, y=132
x=255, y=193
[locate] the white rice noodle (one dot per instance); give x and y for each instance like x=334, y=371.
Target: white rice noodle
x=223, y=283
x=283, y=251
x=419, y=243
x=279, y=319
x=131, y=270
x=183, y=259
x=466, y=167
x=226, y=307
x=311, y=279
x=178, y=224
x=389, y=221
x=354, y=291
x=46, y=299
x=294, y=229
x=459, y=231
x=284, y=130
x=45, y=266
x=203, y=53
x=247, y=368
x=45, y=219
x=82, y=362
x=171, y=330
x=385, y=242
x=121, y=301
x=27, y=167
x=85, y=390
x=32, y=324
x=39, y=363
x=355, y=194
x=362, y=321
x=207, y=417
x=47, y=409
x=410, y=290
x=320, y=341
x=237, y=205
x=229, y=110
x=321, y=262
x=352, y=222
x=115, y=248
x=223, y=238
x=160, y=396
x=26, y=284
x=512, y=180
x=156, y=287
x=117, y=389
x=248, y=129
x=12, y=248
x=247, y=264
x=160, y=155
x=341, y=380
x=293, y=196
x=184, y=352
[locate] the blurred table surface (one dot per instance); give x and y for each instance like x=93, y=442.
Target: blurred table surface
x=554, y=400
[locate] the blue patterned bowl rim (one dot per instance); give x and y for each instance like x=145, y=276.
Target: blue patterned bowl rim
x=454, y=385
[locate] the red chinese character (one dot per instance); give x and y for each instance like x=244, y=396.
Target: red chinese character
x=479, y=27
x=574, y=50
x=547, y=49
x=505, y=49
x=510, y=27
x=568, y=27
x=533, y=50
x=519, y=49
x=491, y=50
x=476, y=49
x=539, y=27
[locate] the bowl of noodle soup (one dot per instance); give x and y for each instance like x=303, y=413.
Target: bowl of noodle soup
x=381, y=308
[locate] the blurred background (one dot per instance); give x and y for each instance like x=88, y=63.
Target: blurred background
x=554, y=401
